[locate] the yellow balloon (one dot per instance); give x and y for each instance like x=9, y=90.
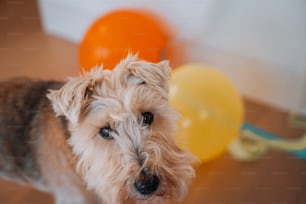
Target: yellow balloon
x=211, y=109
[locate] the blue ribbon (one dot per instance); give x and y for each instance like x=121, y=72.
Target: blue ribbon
x=299, y=153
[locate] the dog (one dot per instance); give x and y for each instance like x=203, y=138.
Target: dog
x=104, y=137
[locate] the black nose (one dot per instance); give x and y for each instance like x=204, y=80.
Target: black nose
x=146, y=183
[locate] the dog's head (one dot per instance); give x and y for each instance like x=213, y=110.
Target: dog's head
x=122, y=128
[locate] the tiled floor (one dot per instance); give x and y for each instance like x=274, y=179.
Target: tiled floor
x=277, y=179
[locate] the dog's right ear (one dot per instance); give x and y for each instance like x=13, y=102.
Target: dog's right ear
x=73, y=98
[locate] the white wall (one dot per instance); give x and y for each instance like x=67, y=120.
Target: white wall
x=259, y=44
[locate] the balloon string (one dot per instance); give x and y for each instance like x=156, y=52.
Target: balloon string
x=250, y=146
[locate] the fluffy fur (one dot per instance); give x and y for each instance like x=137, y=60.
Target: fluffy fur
x=110, y=168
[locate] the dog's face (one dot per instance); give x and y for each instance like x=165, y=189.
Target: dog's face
x=122, y=127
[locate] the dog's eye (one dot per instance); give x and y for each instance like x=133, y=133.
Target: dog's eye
x=105, y=133
x=147, y=118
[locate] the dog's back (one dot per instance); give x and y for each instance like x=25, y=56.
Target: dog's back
x=21, y=104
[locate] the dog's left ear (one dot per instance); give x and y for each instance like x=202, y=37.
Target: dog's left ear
x=154, y=74
x=72, y=99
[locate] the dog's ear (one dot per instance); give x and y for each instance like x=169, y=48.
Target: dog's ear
x=73, y=98
x=154, y=74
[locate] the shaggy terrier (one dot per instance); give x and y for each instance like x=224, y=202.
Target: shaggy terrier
x=104, y=137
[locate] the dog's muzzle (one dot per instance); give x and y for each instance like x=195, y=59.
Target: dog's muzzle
x=147, y=183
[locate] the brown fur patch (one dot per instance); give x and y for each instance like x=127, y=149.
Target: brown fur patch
x=21, y=101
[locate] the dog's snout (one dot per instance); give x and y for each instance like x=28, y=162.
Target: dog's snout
x=147, y=183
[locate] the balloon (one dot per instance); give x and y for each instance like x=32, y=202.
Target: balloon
x=211, y=110
x=112, y=36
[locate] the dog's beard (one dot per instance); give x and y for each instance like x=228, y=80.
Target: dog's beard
x=111, y=168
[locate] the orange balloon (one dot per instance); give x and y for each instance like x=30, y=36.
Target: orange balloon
x=112, y=36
